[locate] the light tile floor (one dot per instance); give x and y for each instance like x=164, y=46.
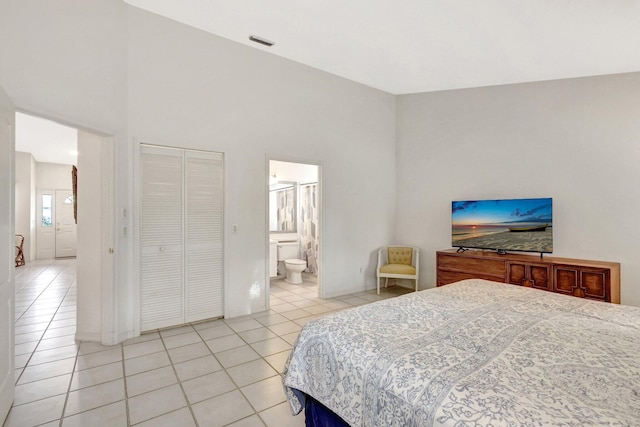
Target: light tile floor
x=215, y=373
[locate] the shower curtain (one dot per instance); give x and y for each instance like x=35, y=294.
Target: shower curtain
x=309, y=225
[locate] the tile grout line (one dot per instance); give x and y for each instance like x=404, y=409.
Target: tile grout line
x=254, y=323
x=39, y=294
x=124, y=384
x=66, y=293
x=66, y=398
x=255, y=412
x=175, y=372
x=45, y=330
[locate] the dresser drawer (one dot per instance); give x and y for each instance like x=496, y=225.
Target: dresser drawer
x=485, y=266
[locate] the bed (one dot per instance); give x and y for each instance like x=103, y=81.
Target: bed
x=472, y=353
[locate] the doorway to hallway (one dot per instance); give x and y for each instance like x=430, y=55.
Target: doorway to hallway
x=64, y=214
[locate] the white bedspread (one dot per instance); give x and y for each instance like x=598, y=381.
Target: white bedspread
x=473, y=353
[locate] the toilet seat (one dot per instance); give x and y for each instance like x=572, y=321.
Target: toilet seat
x=295, y=261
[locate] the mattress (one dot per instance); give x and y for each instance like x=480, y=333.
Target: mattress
x=472, y=353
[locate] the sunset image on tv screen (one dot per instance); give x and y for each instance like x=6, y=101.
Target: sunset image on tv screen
x=510, y=224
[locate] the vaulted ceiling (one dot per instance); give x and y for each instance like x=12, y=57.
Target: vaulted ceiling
x=406, y=46
x=411, y=46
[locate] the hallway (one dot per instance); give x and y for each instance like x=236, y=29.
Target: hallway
x=215, y=373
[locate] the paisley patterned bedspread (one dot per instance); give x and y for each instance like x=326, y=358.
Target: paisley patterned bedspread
x=473, y=353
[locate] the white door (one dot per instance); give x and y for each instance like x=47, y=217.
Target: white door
x=7, y=254
x=65, y=224
x=181, y=236
x=45, y=221
x=203, y=235
x=161, y=222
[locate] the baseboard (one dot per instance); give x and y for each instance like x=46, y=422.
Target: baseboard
x=125, y=336
x=346, y=291
x=89, y=336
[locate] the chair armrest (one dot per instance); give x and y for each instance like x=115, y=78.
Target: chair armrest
x=382, y=257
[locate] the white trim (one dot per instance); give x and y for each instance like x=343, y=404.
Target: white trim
x=91, y=336
x=288, y=159
x=109, y=316
x=135, y=224
x=7, y=233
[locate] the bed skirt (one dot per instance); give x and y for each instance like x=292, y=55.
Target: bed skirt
x=318, y=415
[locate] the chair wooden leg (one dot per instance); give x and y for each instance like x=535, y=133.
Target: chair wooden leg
x=378, y=281
x=416, y=285
x=20, y=258
x=386, y=282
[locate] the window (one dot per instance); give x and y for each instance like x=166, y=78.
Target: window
x=47, y=202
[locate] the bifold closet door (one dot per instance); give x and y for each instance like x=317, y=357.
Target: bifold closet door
x=203, y=235
x=161, y=236
x=181, y=236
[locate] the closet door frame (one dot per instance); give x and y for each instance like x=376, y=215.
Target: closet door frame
x=135, y=217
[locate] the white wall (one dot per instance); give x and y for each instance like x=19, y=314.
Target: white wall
x=575, y=140
x=89, y=241
x=141, y=77
x=52, y=176
x=7, y=253
x=82, y=46
x=23, y=198
x=192, y=89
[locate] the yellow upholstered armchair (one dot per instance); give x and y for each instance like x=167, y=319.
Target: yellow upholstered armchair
x=398, y=262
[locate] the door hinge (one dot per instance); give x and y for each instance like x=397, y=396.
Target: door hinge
x=111, y=250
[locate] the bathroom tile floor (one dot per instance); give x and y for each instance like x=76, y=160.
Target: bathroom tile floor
x=215, y=373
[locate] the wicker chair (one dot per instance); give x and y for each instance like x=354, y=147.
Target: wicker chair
x=19, y=242
x=399, y=262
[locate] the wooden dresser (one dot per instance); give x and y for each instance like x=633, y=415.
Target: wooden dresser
x=598, y=280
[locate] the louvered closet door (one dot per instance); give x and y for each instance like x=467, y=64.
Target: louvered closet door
x=181, y=274
x=161, y=238
x=203, y=235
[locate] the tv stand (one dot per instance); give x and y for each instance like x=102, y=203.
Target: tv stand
x=597, y=280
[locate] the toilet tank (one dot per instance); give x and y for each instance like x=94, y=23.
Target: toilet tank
x=288, y=250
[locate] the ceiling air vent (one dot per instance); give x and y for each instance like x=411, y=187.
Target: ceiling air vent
x=261, y=40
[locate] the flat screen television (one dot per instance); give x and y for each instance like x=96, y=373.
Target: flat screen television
x=503, y=225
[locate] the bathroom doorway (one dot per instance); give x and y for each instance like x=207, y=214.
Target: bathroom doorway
x=294, y=216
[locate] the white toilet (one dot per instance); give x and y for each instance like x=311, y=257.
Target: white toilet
x=288, y=253
x=294, y=268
